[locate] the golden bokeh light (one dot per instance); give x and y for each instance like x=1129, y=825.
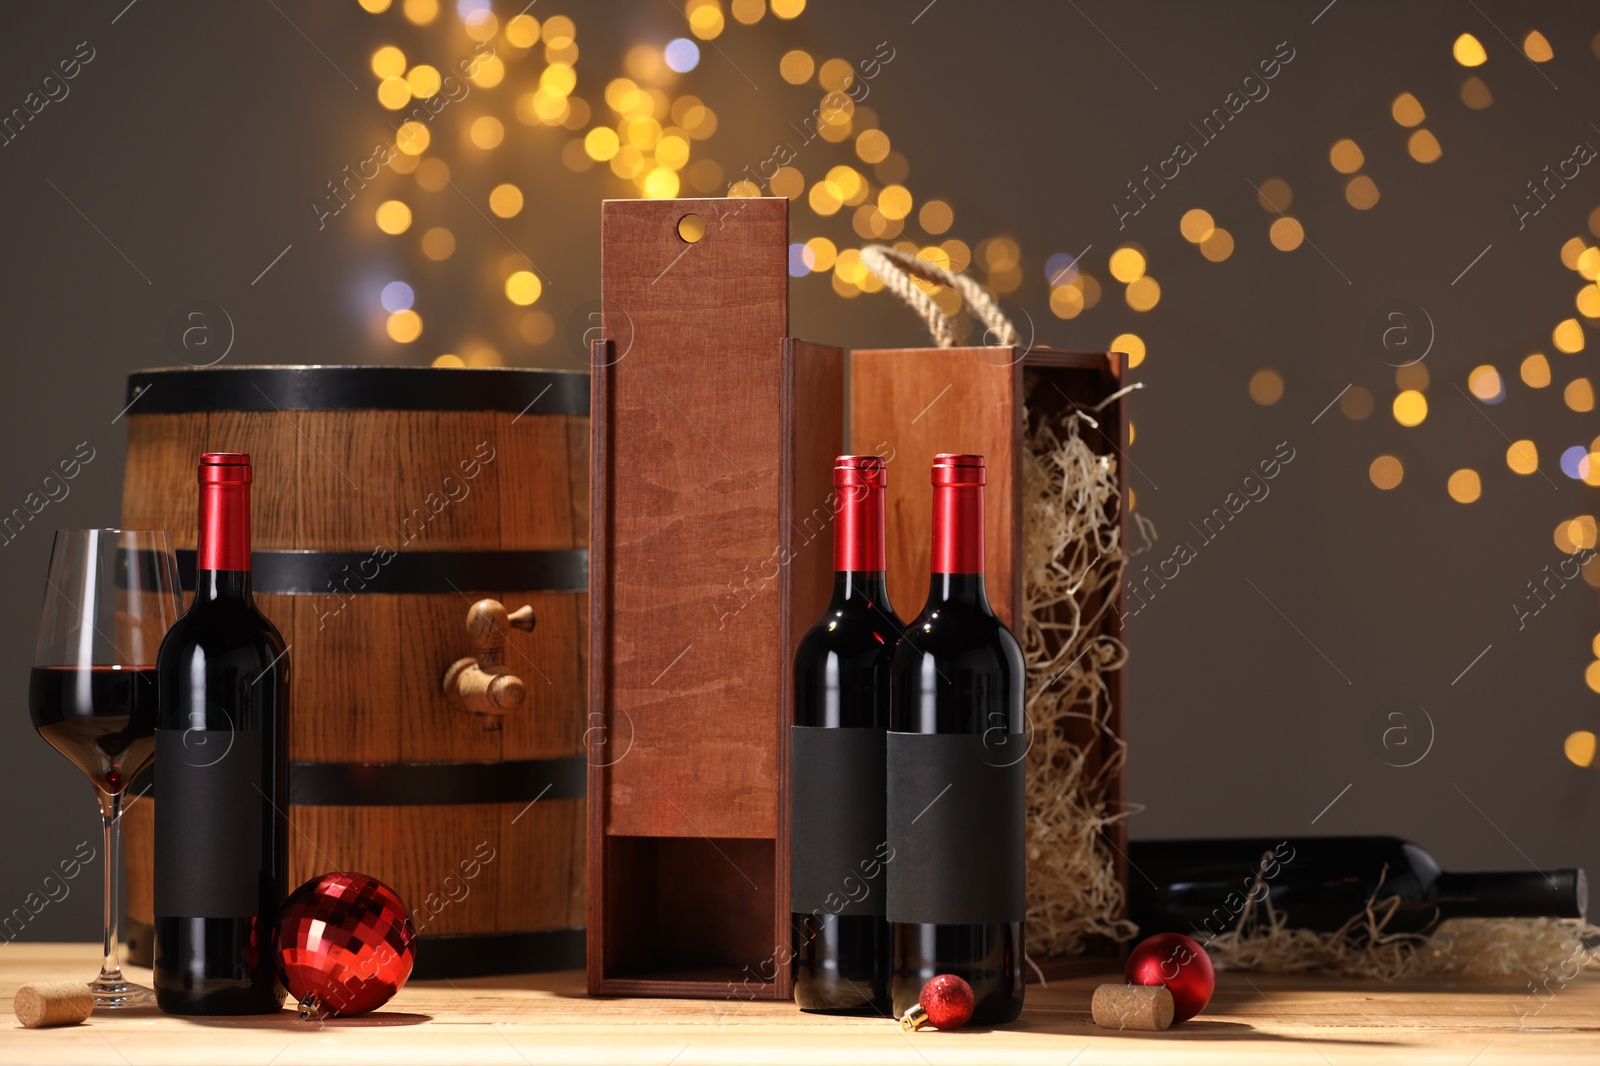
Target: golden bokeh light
x=1412, y=376
x=1127, y=264
x=1588, y=301
x=748, y=12
x=1361, y=193
x=559, y=30
x=1424, y=146
x=661, y=183
x=935, y=217
x=434, y=174
x=1386, y=472
x=522, y=31
x=401, y=163
x=1131, y=345
x=1346, y=156
x=1266, y=387
x=523, y=288
x=1522, y=457
x=394, y=93
x=1579, y=747
x=388, y=62
x=1579, y=395
x=1468, y=51
x=481, y=24
x=412, y=138
x=487, y=132
x=705, y=19
x=797, y=66
x=490, y=72
x=438, y=244
x=1410, y=408
x=895, y=202
x=1464, y=486
x=505, y=200
x=1407, y=110
x=1571, y=250
x=836, y=75
x=601, y=143
x=1196, y=225
x=404, y=327
x=1536, y=48
x=1535, y=371
x=820, y=254
x=421, y=12
x=1066, y=301
x=1567, y=336
x=1475, y=93
x=1484, y=383
x=374, y=7
x=449, y=360
x=1357, y=403
x=1143, y=293
x=1286, y=234
x=1218, y=246
x=872, y=146
x=788, y=9
x=1275, y=195
x=423, y=81
x=394, y=217
x=787, y=182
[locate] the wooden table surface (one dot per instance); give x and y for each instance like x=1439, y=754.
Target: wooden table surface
x=548, y=1018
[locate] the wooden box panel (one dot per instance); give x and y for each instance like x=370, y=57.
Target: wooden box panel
x=909, y=404
x=705, y=421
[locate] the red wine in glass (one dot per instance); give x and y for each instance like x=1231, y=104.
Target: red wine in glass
x=110, y=596
x=101, y=717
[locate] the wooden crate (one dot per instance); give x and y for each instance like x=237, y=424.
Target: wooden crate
x=909, y=404
x=711, y=433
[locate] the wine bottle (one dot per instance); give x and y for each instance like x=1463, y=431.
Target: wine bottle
x=841, y=718
x=221, y=834
x=956, y=749
x=1200, y=887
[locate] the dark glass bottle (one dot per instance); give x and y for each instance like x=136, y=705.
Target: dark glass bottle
x=958, y=718
x=841, y=717
x=1200, y=887
x=221, y=777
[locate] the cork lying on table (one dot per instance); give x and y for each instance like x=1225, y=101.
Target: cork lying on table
x=1147, y=1007
x=53, y=1003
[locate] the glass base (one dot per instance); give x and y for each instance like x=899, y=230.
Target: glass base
x=114, y=993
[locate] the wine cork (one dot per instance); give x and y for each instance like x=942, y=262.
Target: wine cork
x=53, y=1003
x=1132, y=1007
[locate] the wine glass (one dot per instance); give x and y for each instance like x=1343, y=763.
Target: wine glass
x=110, y=595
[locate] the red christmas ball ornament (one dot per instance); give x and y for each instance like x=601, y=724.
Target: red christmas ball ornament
x=345, y=945
x=1176, y=961
x=945, y=1003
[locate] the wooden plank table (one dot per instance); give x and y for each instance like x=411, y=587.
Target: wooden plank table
x=547, y=1018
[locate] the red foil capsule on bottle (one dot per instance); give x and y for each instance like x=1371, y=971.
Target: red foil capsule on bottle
x=224, y=511
x=958, y=482
x=858, y=482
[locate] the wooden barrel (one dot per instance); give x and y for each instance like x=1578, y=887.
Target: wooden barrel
x=386, y=501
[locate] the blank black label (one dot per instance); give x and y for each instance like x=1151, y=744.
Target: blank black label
x=836, y=839
x=208, y=824
x=956, y=819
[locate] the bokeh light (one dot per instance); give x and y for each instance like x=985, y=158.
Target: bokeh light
x=1464, y=486
x=1579, y=748
x=681, y=54
x=1266, y=387
x=404, y=326
x=1523, y=457
x=397, y=296
x=1346, y=156
x=1535, y=371
x=1196, y=225
x=394, y=217
x=1386, y=472
x=523, y=287
x=1468, y=51
x=1484, y=383
x=1357, y=403
x=505, y=200
x=1410, y=408
x=1130, y=344
x=1127, y=264
x=1579, y=395
x=1407, y=110
x=1361, y=193
x=1567, y=336
x=1286, y=234
x=1424, y=146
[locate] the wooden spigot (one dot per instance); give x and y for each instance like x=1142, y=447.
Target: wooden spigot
x=481, y=683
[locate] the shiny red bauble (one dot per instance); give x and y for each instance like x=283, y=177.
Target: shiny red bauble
x=948, y=1000
x=345, y=945
x=1176, y=961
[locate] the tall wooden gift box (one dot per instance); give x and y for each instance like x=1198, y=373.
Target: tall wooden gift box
x=713, y=440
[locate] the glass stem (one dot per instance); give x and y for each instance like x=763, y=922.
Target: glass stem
x=110, y=816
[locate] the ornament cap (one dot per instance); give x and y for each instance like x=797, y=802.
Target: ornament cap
x=915, y=1017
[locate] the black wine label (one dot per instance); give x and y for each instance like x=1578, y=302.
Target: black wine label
x=836, y=838
x=955, y=821
x=208, y=824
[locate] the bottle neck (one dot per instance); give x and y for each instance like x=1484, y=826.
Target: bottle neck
x=210, y=585
x=1521, y=894
x=968, y=589
x=224, y=528
x=858, y=530
x=957, y=557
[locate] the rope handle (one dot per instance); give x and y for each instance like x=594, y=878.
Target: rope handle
x=897, y=267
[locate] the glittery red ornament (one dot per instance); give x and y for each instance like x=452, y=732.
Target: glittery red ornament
x=1174, y=960
x=345, y=945
x=945, y=1003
